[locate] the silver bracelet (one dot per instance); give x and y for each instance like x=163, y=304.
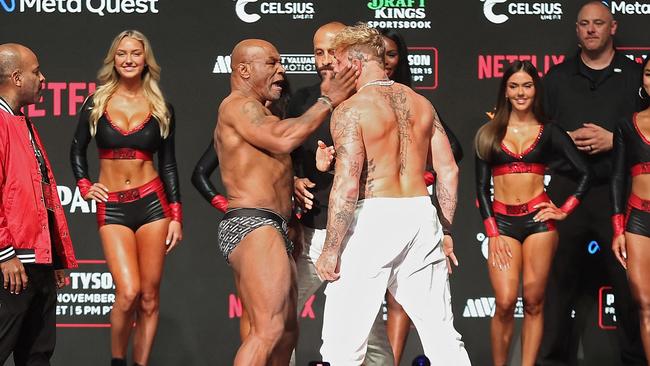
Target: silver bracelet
x=326, y=100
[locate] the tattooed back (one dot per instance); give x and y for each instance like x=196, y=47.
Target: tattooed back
x=252, y=176
x=385, y=131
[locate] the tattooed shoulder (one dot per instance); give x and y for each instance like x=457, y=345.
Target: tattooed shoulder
x=344, y=125
x=253, y=110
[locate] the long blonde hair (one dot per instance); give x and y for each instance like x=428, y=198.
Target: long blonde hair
x=109, y=80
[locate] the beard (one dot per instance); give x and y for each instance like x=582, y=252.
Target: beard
x=321, y=70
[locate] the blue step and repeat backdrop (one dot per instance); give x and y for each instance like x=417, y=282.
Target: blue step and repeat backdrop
x=458, y=52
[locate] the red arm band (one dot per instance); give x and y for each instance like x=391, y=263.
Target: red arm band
x=570, y=204
x=491, y=228
x=84, y=186
x=618, y=224
x=177, y=211
x=429, y=178
x=220, y=203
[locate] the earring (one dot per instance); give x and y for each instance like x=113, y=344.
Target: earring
x=641, y=93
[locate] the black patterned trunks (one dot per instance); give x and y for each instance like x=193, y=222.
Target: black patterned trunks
x=239, y=222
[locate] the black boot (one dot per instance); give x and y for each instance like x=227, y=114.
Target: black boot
x=118, y=362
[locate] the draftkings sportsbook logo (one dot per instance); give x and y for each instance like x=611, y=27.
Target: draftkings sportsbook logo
x=99, y=7
x=499, y=11
x=251, y=13
x=399, y=14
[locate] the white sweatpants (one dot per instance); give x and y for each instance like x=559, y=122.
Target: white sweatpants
x=394, y=244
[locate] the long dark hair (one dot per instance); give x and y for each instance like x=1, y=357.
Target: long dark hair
x=645, y=99
x=402, y=73
x=489, y=136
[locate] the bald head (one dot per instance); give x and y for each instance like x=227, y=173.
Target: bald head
x=11, y=55
x=20, y=75
x=250, y=49
x=328, y=30
x=324, y=47
x=598, y=7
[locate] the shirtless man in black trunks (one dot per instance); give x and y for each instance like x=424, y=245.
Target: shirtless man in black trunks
x=253, y=148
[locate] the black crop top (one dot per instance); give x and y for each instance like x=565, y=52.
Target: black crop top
x=145, y=138
x=552, y=144
x=631, y=155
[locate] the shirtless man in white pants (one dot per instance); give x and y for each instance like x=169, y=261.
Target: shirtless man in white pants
x=382, y=230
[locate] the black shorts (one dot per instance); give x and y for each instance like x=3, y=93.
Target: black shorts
x=637, y=220
x=134, y=207
x=239, y=222
x=516, y=221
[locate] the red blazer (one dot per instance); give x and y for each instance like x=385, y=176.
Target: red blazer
x=24, y=230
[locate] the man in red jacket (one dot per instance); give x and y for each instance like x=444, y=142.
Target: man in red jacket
x=35, y=243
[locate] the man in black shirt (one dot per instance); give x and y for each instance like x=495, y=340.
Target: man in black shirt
x=587, y=95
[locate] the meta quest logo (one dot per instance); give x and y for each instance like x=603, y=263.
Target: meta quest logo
x=98, y=7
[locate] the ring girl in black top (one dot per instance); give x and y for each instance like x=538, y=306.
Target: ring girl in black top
x=631, y=242
x=138, y=208
x=514, y=149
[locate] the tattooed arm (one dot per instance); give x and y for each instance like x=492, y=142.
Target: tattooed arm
x=350, y=156
x=446, y=169
x=255, y=124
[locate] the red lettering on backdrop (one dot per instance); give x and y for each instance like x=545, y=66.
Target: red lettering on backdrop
x=53, y=97
x=33, y=111
x=234, y=306
x=492, y=66
x=498, y=66
x=308, y=310
x=56, y=89
x=75, y=99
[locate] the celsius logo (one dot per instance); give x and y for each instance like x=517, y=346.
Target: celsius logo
x=242, y=14
x=295, y=10
x=545, y=10
x=489, y=12
x=8, y=7
x=99, y=7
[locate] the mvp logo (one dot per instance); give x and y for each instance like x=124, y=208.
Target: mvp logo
x=484, y=307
